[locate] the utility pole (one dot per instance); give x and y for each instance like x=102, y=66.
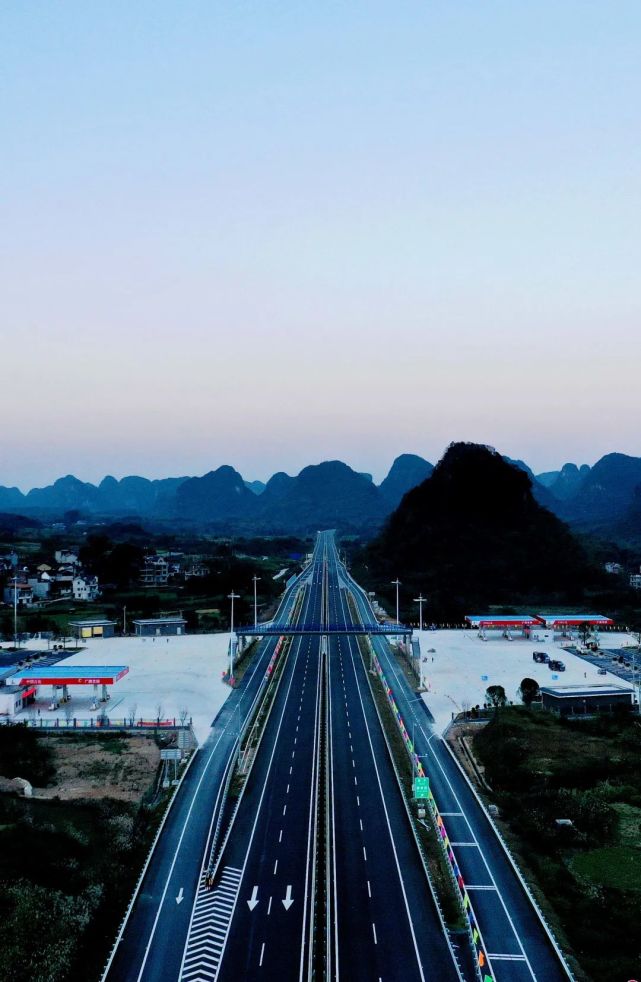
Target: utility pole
x=232, y=596
x=397, y=583
x=420, y=600
x=15, y=612
x=255, y=579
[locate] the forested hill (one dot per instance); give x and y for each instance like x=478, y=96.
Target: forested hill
x=472, y=534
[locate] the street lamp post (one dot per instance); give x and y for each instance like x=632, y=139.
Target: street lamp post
x=232, y=596
x=255, y=579
x=397, y=583
x=420, y=600
x=15, y=612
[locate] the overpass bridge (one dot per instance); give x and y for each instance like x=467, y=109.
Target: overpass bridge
x=290, y=630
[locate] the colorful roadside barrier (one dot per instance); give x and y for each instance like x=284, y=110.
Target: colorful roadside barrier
x=483, y=966
x=274, y=657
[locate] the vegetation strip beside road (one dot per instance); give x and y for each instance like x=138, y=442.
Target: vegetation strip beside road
x=586, y=875
x=69, y=867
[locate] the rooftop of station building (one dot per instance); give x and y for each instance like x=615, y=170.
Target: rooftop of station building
x=586, y=691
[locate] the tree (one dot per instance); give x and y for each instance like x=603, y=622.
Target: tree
x=529, y=691
x=495, y=695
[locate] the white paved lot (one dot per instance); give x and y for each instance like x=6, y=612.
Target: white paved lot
x=184, y=672
x=461, y=660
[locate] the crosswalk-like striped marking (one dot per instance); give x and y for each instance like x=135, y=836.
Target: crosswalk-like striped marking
x=209, y=926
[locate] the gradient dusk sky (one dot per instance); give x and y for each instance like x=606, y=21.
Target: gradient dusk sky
x=273, y=233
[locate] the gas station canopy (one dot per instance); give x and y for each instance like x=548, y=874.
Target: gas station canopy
x=70, y=675
x=575, y=620
x=503, y=620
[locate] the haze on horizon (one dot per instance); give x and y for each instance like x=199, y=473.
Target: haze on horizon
x=272, y=234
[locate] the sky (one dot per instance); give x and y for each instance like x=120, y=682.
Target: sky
x=269, y=234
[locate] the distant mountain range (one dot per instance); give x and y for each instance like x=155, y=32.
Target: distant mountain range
x=329, y=494
x=605, y=498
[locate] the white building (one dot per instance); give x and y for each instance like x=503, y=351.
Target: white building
x=20, y=593
x=156, y=571
x=65, y=558
x=85, y=587
x=40, y=585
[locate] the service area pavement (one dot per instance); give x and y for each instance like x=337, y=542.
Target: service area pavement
x=165, y=677
x=462, y=666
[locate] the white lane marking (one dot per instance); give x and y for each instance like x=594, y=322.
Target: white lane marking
x=262, y=952
x=360, y=821
x=364, y=853
x=280, y=837
x=269, y=907
x=387, y=818
x=259, y=807
x=187, y=818
x=429, y=739
x=507, y=958
x=369, y=890
x=374, y=932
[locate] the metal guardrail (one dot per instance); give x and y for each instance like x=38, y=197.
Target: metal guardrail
x=95, y=723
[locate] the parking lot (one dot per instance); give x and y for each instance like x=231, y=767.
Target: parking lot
x=166, y=677
x=462, y=667
x=609, y=658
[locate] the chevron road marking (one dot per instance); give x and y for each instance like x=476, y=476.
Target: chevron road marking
x=212, y=914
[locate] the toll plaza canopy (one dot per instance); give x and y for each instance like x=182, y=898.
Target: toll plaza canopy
x=70, y=675
x=503, y=620
x=575, y=620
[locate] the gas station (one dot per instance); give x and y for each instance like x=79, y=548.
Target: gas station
x=62, y=676
x=507, y=624
x=564, y=623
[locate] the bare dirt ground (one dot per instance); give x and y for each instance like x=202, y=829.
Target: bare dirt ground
x=90, y=768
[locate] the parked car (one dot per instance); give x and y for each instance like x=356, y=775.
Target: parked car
x=540, y=656
x=603, y=671
x=556, y=666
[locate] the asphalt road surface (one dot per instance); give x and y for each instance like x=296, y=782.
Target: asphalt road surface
x=319, y=875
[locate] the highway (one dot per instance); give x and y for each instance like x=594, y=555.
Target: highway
x=267, y=930
x=276, y=910
x=155, y=932
x=517, y=945
x=385, y=923
x=319, y=875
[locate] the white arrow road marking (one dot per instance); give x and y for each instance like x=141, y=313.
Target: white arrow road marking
x=180, y=898
x=288, y=901
x=254, y=899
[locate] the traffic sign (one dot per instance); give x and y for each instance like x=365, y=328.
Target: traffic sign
x=171, y=754
x=421, y=787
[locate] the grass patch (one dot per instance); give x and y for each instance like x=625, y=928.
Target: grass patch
x=629, y=823
x=542, y=768
x=613, y=866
